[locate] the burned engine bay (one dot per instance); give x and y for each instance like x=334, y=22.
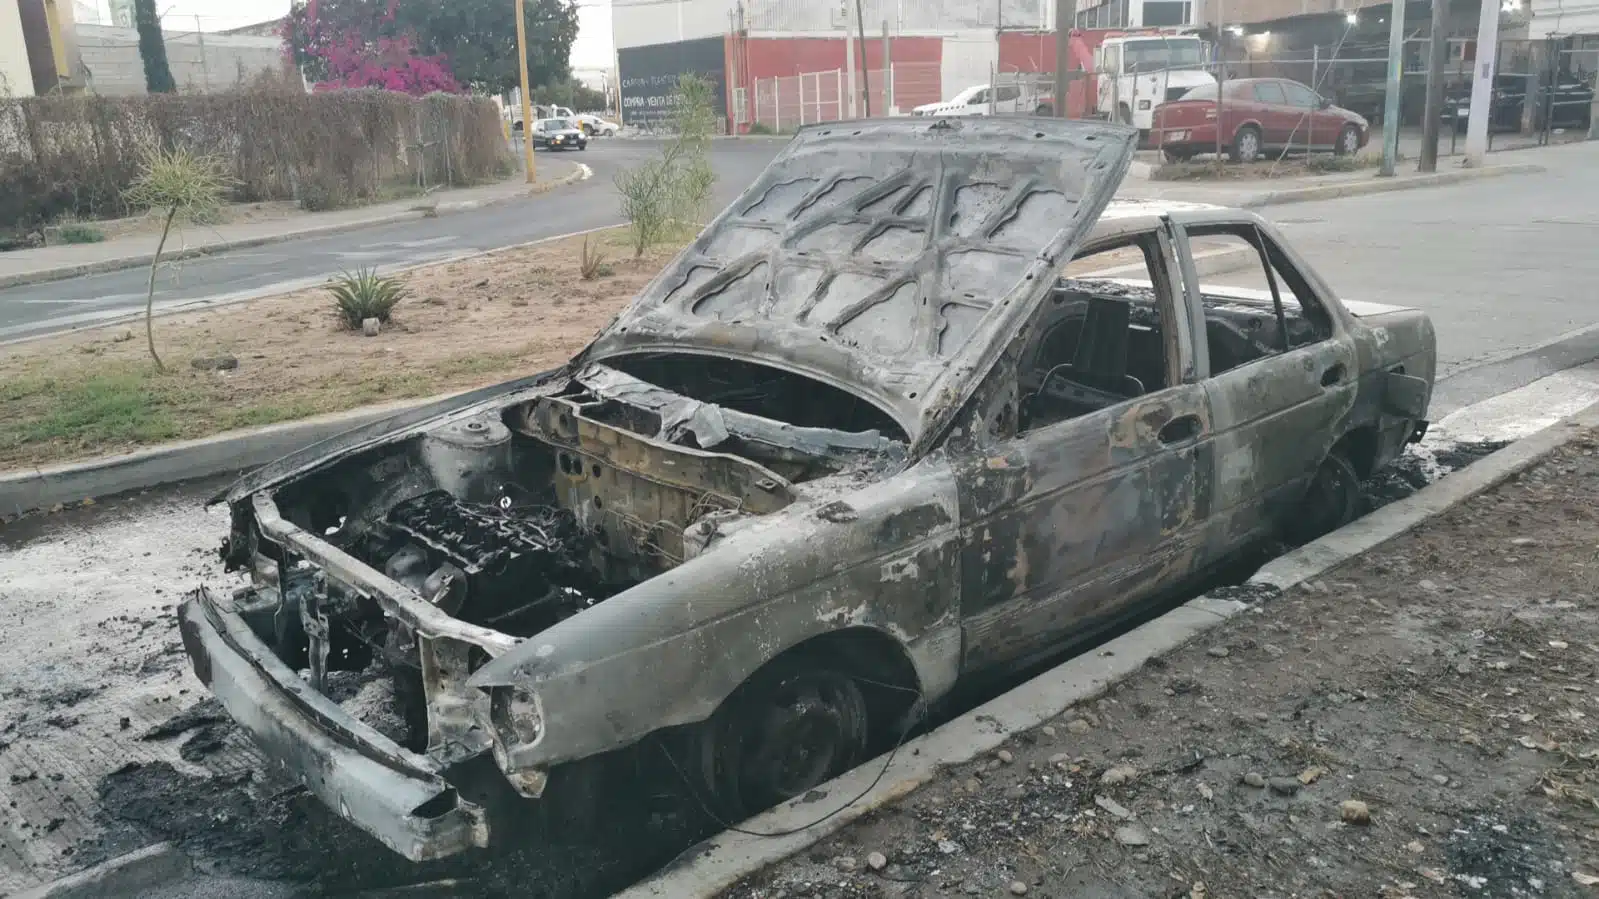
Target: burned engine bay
x=519, y=515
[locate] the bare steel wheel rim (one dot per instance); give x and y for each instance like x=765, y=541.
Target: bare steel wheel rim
x=811, y=728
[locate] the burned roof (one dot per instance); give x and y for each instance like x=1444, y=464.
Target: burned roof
x=890, y=258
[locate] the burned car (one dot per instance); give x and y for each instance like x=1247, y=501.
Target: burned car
x=867, y=437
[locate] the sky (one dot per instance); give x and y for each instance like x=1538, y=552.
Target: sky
x=592, y=50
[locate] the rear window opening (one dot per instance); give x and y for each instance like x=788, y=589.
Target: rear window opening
x=761, y=390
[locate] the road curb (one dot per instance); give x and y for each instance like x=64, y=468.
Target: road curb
x=1384, y=185
x=580, y=173
x=716, y=864
x=59, y=485
x=125, y=875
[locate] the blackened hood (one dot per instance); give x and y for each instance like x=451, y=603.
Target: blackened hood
x=893, y=258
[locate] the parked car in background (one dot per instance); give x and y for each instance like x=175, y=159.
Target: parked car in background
x=558, y=134
x=870, y=437
x=1259, y=116
x=979, y=99
x=1567, y=103
x=594, y=126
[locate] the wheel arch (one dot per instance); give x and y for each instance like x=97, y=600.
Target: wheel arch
x=878, y=661
x=1360, y=445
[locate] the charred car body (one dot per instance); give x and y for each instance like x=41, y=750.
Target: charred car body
x=861, y=440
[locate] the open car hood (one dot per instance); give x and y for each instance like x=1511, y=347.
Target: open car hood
x=893, y=259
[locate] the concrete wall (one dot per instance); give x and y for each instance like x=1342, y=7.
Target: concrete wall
x=637, y=23
x=200, y=62
x=16, y=78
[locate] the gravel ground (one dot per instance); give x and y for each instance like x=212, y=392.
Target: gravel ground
x=1419, y=722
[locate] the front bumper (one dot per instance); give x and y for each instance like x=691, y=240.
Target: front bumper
x=397, y=796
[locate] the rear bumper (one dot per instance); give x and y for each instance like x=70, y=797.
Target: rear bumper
x=397, y=796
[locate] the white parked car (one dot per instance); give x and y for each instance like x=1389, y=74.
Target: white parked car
x=595, y=126
x=1006, y=99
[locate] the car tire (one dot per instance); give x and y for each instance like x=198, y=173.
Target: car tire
x=1333, y=499
x=1246, y=145
x=796, y=724
x=1348, y=141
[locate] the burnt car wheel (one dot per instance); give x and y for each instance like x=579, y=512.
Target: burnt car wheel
x=791, y=728
x=1332, y=501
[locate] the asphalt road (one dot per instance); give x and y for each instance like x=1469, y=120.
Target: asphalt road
x=58, y=305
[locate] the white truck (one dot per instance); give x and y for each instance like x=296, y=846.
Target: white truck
x=1129, y=73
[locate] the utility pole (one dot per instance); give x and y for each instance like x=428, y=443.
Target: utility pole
x=1437, y=56
x=1396, y=68
x=1065, y=18
x=527, y=96
x=866, y=81
x=1482, y=84
x=888, y=72
x=993, y=78
x=1221, y=81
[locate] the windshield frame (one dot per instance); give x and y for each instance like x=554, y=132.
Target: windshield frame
x=1171, y=47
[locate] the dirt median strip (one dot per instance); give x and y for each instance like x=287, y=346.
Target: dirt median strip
x=1034, y=820
x=419, y=209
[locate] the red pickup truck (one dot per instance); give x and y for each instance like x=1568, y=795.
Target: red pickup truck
x=1261, y=116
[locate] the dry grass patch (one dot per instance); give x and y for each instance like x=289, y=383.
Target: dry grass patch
x=464, y=324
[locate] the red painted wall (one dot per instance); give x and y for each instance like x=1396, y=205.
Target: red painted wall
x=916, y=60
x=1027, y=51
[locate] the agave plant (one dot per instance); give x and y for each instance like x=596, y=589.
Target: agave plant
x=363, y=295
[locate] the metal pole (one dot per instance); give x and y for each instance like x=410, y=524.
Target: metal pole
x=527, y=96
x=1221, y=79
x=993, y=69
x=1482, y=84
x=205, y=70
x=866, y=81
x=888, y=73
x=1437, y=57
x=802, y=94
x=1396, y=63
x=1065, y=19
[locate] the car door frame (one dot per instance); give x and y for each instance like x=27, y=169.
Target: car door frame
x=1275, y=122
x=1258, y=485
x=1035, y=504
x=1315, y=134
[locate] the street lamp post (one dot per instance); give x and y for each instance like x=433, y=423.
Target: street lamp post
x=527, y=95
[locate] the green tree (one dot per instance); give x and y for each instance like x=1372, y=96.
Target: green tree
x=669, y=193
x=477, y=37
x=153, y=49
x=572, y=93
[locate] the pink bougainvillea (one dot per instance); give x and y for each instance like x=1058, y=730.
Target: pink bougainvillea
x=351, y=53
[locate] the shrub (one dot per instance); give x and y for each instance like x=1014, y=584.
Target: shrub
x=74, y=156
x=671, y=191
x=365, y=295
x=592, y=262
x=77, y=232
x=761, y=128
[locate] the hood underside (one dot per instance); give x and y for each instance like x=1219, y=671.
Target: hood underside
x=893, y=259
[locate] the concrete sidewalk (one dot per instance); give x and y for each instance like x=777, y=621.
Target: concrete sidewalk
x=131, y=250
x=1258, y=192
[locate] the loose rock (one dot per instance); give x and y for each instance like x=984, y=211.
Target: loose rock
x=1004, y=755
x=1254, y=780
x=846, y=863
x=1017, y=888
x=1353, y=811
x=877, y=861
x=1112, y=806
x=1078, y=726
x=1132, y=835
x=1220, y=652
x=371, y=326
x=1287, y=786
x=1118, y=775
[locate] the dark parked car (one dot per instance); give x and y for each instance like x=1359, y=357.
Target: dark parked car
x=868, y=437
x=559, y=134
x=1567, y=103
x=1262, y=116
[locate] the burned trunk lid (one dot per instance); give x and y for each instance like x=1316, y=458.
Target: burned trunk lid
x=893, y=259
